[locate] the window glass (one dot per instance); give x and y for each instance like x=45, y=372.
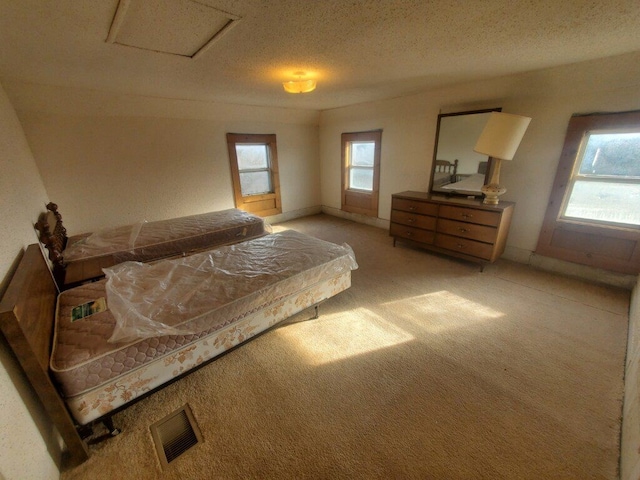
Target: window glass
x=362, y=154
x=361, y=157
x=605, y=202
x=361, y=178
x=255, y=183
x=612, y=154
x=253, y=166
x=606, y=187
x=252, y=156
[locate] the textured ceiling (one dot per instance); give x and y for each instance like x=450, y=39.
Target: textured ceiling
x=176, y=27
x=357, y=50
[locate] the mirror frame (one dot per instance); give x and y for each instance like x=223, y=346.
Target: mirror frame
x=453, y=193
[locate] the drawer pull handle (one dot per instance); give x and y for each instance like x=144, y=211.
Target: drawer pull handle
x=412, y=208
x=410, y=220
x=463, y=230
x=467, y=215
x=409, y=234
x=460, y=245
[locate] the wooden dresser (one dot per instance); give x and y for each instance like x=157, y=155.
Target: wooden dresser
x=460, y=227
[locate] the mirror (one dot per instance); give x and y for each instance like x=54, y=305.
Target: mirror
x=457, y=169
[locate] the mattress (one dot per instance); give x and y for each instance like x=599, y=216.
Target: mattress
x=472, y=183
x=441, y=178
x=252, y=285
x=147, y=241
x=119, y=391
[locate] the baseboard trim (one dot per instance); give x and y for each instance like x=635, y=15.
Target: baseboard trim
x=292, y=215
x=372, y=221
x=562, y=267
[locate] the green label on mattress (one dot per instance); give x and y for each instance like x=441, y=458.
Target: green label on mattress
x=87, y=309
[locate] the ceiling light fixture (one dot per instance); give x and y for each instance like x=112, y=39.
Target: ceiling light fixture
x=299, y=85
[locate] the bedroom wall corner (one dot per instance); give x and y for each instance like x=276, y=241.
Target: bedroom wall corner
x=630, y=438
x=24, y=452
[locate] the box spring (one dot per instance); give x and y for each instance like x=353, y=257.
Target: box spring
x=96, y=376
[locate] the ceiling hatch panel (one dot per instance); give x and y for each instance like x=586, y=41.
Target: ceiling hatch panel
x=177, y=27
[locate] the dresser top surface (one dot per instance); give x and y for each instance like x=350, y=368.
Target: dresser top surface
x=461, y=201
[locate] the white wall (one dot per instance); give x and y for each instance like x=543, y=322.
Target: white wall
x=549, y=96
x=23, y=450
x=110, y=159
x=630, y=448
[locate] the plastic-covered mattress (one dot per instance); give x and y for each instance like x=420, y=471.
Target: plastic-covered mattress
x=230, y=294
x=152, y=240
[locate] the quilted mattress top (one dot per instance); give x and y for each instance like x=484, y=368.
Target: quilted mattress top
x=149, y=234
x=199, y=294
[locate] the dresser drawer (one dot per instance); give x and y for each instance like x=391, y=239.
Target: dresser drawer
x=472, y=215
x=414, y=206
x=463, y=245
x=472, y=231
x=459, y=227
x=413, y=220
x=411, y=233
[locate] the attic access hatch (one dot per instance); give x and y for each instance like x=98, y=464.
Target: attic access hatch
x=186, y=28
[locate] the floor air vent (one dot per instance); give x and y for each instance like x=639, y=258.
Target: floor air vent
x=175, y=434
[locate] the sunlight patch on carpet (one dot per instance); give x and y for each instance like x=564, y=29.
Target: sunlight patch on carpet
x=443, y=310
x=334, y=338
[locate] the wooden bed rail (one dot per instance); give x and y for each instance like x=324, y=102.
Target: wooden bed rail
x=27, y=321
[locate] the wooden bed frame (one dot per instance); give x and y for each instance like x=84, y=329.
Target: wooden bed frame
x=27, y=319
x=445, y=166
x=27, y=310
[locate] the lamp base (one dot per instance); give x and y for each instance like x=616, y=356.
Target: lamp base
x=491, y=193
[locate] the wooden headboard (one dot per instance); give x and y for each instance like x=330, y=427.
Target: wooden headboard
x=54, y=239
x=446, y=166
x=27, y=312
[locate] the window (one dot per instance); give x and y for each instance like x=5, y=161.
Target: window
x=361, y=172
x=605, y=185
x=254, y=170
x=593, y=215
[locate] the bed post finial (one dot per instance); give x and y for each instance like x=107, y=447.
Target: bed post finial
x=55, y=241
x=53, y=208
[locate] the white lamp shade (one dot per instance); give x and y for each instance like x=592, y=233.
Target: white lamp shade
x=502, y=135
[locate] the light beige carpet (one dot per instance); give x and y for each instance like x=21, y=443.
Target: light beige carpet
x=424, y=368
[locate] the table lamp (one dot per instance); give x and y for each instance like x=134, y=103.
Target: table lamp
x=499, y=140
